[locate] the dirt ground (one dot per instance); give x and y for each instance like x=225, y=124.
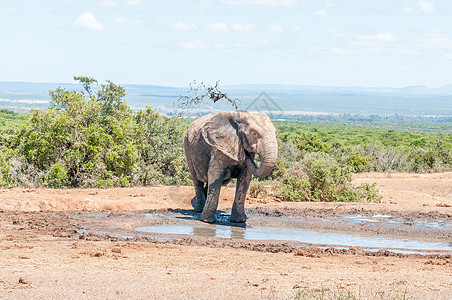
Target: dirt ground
x=45, y=255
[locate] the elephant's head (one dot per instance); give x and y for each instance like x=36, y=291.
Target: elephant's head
x=240, y=135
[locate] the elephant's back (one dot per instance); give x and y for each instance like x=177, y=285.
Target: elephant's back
x=195, y=128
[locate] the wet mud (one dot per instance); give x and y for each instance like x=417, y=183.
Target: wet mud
x=304, y=232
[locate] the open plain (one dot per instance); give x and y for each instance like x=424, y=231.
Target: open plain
x=81, y=244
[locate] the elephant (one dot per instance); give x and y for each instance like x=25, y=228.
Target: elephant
x=221, y=146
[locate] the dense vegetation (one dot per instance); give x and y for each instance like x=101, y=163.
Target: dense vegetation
x=316, y=159
x=93, y=138
x=88, y=138
x=9, y=119
x=374, y=147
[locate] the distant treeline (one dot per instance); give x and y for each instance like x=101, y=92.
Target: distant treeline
x=371, y=118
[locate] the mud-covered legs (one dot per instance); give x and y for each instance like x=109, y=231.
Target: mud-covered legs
x=215, y=180
x=199, y=200
x=238, y=208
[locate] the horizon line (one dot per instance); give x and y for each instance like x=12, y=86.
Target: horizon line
x=249, y=84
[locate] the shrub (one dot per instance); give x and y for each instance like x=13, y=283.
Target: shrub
x=306, y=142
x=257, y=189
x=161, y=146
x=56, y=176
x=5, y=167
x=357, y=162
x=295, y=187
x=319, y=177
x=287, y=155
x=424, y=160
x=22, y=173
x=386, y=158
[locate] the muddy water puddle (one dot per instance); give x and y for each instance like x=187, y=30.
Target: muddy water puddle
x=291, y=229
x=298, y=235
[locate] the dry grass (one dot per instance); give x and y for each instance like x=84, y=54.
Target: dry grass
x=347, y=293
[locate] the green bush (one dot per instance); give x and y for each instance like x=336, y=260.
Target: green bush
x=9, y=119
x=306, y=142
x=319, y=177
x=357, y=162
x=257, y=189
x=287, y=155
x=368, y=192
x=57, y=176
x=93, y=138
x=5, y=177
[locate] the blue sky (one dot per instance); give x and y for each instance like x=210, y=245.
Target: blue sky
x=381, y=43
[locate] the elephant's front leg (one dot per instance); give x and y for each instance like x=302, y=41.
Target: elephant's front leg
x=215, y=179
x=238, y=208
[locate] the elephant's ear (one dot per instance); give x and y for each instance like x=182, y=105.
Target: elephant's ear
x=222, y=134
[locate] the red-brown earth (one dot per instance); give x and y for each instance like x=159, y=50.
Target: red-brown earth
x=47, y=250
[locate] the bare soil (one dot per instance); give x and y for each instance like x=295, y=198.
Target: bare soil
x=64, y=244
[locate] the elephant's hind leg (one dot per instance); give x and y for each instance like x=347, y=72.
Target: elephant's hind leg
x=216, y=176
x=199, y=200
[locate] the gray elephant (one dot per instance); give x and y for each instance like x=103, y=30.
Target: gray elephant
x=222, y=146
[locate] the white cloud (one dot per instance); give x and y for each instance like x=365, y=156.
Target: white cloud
x=264, y=43
x=271, y=3
x=194, y=45
x=321, y=13
x=219, y=46
x=135, y=21
x=133, y=2
x=241, y=45
x=276, y=28
x=374, y=44
x=244, y=27
x=423, y=6
x=409, y=10
x=296, y=28
x=122, y=20
x=183, y=26
x=8, y=10
x=108, y=3
x=335, y=32
x=217, y=27
x=89, y=22
x=331, y=49
x=379, y=37
x=434, y=39
x=426, y=6
x=328, y=2
x=364, y=49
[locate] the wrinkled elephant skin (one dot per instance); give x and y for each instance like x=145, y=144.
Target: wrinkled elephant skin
x=222, y=146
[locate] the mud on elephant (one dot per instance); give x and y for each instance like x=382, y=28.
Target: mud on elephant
x=222, y=146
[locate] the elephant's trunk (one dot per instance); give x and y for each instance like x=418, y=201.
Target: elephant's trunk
x=268, y=158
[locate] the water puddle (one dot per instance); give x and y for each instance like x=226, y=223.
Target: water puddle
x=298, y=235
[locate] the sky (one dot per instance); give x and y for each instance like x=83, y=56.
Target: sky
x=384, y=43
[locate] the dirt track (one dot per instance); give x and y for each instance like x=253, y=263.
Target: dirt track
x=45, y=254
